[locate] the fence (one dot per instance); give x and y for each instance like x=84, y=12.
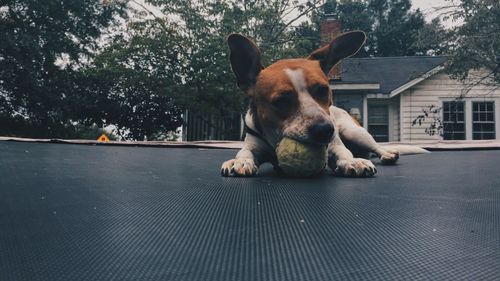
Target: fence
x=205, y=126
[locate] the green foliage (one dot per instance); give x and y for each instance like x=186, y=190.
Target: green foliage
x=476, y=42
x=68, y=65
x=43, y=45
x=393, y=29
x=432, y=39
x=203, y=26
x=396, y=28
x=134, y=82
x=71, y=66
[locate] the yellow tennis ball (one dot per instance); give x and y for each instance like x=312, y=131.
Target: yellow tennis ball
x=298, y=159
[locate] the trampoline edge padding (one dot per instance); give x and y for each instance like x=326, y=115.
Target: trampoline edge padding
x=219, y=144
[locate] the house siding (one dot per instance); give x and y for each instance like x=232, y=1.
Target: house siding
x=394, y=119
x=432, y=92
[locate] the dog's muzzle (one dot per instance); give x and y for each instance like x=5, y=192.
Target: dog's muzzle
x=322, y=132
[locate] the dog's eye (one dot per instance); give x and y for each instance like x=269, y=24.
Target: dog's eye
x=283, y=99
x=320, y=92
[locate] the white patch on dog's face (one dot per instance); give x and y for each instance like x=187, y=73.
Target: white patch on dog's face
x=297, y=78
x=309, y=112
x=308, y=106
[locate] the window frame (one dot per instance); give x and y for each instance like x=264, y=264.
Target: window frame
x=386, y=125
x=480, y=122
x=468, y=109
x=445, y=122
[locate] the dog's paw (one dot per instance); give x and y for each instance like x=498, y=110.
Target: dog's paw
x=239, y=168
x=389, y=157
x=357, y=167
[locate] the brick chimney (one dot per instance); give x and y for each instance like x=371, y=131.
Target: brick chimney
x=330, y=28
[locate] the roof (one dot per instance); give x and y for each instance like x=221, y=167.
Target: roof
x=390, y=72
x=98, y=212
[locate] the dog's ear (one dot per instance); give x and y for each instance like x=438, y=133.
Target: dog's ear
x=343, y=46
x=245, y=60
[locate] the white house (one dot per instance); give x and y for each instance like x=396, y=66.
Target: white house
x=388, y=94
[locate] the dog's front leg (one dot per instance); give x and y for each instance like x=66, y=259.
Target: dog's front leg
x=357, y=135
x=363, y=140
x=247, y=160
x=343, y=163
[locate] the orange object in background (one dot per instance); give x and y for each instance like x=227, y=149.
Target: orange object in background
x=103, y=137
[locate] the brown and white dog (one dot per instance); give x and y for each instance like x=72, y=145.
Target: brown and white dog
x=292, y=98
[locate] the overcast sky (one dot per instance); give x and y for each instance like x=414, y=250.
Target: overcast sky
x=428, y=7
x=425, y=5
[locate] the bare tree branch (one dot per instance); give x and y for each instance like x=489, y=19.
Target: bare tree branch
x=311, y=7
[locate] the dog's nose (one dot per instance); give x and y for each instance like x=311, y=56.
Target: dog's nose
x=322, y=132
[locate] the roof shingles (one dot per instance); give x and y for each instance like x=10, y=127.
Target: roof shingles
x=390, y=72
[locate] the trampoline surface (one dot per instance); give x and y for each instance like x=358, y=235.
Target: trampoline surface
x=76, y=212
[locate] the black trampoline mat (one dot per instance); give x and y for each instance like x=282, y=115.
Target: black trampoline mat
x=76, y=212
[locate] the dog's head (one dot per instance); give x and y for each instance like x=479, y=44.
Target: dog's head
x=292, y=97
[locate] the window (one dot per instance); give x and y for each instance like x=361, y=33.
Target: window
x=453, y=120
x=378, y=122
x=483, y=120
x=352, y=103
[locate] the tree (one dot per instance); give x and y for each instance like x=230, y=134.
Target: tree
x=173, y=57
x=392, y=28
x=432, y=39
x=476, y=42
x=208, y=85
x=43, y=45
x=396, y=28
x=134, y=83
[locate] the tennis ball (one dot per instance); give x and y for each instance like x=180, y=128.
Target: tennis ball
x=298, y=159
